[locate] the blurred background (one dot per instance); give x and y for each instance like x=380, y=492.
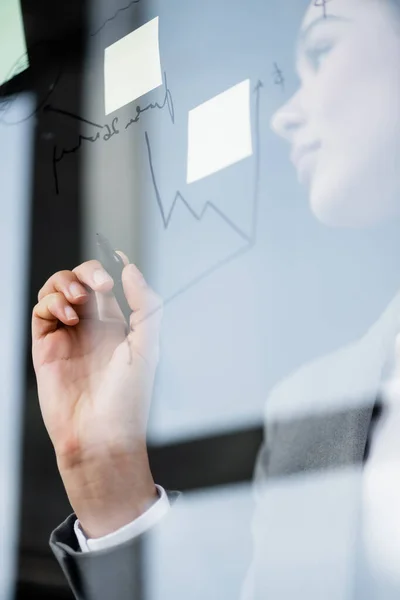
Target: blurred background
x=253, y=286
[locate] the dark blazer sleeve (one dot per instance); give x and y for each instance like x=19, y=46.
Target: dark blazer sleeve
x=111, y=573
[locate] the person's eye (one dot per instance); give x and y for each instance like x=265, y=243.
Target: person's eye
x=317, y=54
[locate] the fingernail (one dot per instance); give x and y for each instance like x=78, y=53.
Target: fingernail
x=70, y=313
x=100, y=276
x=123, y=256
x=76, y=290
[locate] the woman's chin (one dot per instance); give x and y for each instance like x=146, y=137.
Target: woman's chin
x=347, y=207
x=329, y=213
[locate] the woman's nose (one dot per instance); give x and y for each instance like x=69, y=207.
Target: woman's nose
x=288, y=119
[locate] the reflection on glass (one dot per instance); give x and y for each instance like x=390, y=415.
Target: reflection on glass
x=15, y=157
x=13, y=56
x=332, y=523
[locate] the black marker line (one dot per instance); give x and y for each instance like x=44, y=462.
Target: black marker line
x=16, y=69
x=278, y=76
x=60, y=111
x=168, y=101
x=251, y=240
x=115, y=15
x=60, y=70
x=81, y=138
x=64, y=152
x=222, y=263
x=41, y=104
x=166, y=218
x=111, y=131
x=322, y=3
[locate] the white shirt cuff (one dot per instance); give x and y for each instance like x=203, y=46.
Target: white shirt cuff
x=147, y=520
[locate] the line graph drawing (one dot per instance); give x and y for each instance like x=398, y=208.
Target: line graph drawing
x=166, y=217
x=120, y=10
x=249, y=238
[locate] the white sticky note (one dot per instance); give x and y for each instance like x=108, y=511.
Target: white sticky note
x=132, y=66
x=219, y=132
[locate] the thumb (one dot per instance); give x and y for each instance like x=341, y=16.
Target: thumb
x=146, y=305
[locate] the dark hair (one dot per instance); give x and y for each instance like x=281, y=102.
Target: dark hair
x=395, y=4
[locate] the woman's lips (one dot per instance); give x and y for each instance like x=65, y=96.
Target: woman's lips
x=304, y=158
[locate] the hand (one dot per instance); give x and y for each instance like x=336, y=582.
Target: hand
x=95, y=385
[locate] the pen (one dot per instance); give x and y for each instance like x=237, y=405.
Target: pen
x=114, y=265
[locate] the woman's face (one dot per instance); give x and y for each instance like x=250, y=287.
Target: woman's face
x=344, y=121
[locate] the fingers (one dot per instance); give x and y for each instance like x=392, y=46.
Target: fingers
x=147, y=312
x=108, y=309
x=49, y=311
x=94, y=275
x=78, y=284
x=76, y=287
x=123, y=256
x=141, y=298
x=88, y=288
x=65, y=282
